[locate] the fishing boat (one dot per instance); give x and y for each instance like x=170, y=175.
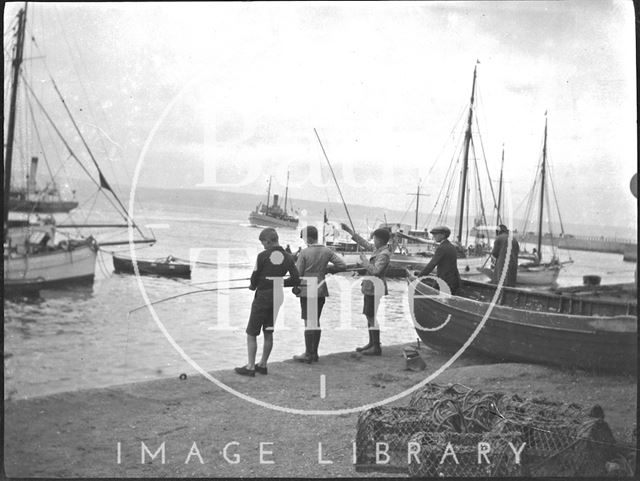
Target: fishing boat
x=564, y=329
x=534, y=271
x=166, y=266
x=39, y=201
x=273, y=215
x=472, y=249
x=401, y=258
x=38, y=250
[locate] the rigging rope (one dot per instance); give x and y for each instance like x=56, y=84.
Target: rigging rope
x=102, y=179
x=74, y=156
x=78, y=55
x=486, y=165
x=483, y=217
x=42, y=149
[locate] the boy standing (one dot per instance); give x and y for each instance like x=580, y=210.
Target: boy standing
x=312, y=263
x=272, y=262
x=376, y=266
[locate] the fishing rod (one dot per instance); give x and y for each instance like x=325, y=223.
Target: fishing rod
x=196, y=262
x=214, y=290
x=219, y=280
x=336, y=181
x=185, y=294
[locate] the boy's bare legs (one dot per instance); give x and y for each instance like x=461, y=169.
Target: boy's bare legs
x=252, y=349
x=266, y=348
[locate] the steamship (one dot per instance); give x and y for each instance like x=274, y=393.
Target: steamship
x=273, y=215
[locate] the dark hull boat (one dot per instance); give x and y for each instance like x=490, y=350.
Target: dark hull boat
x=273, y=215
x=166, y=266
x=567, y=330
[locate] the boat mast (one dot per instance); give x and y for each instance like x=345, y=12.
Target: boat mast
x=286, y=193
x=417, y=195
x=16, y=64
x=268, y=193
x=465, y=161
x=417, y=205
x=500, y=188
x=324, y=225
x=542, y=179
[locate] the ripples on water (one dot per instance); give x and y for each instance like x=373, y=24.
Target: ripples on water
x=83, y=337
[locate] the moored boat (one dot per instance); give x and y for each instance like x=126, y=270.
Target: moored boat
x=37, y=251
x=166, y=266
x=534, y=272
x=273, y=215
x=567, y=330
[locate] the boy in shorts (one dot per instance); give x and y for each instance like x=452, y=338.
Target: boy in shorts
x=272, y=262
x=377, y=266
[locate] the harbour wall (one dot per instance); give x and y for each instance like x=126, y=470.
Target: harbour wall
x=627, y=247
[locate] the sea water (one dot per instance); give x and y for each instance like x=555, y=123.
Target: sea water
x=86, y=337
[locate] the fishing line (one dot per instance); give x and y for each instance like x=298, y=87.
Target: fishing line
x=184, y=294
x=219, y=280
x=213, y=290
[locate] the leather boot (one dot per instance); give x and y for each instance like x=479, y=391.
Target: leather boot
x=308, y=344
x=369, y=345
x=316, y=342
x=375, y=350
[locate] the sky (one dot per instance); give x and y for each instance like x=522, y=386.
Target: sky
x=223, y=95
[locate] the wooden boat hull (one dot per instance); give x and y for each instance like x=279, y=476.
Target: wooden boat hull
x=544, y=275
x=28, y=206
x=50, y=268
x=260, y=220
x=566, y=331
x=147, y=267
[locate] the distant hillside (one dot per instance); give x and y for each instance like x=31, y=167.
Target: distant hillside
x=362, y=215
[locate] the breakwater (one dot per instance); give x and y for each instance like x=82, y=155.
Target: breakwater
x=627, y=247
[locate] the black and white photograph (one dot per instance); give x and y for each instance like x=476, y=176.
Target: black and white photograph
x=320, y=239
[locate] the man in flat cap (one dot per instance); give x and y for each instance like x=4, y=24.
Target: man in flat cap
x=499, y=253
x=445, y=259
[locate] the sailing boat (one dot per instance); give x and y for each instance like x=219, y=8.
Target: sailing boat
x=473, y=256
x=273, y=215
x=532, y=271
x=537, y=272
x=37, y=251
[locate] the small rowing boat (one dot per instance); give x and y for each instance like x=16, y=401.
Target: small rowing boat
x=166, y=266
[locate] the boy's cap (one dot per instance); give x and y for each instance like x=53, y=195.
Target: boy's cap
x=441, y=229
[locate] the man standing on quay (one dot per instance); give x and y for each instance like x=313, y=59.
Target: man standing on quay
x=312, y=263
x=499, y=252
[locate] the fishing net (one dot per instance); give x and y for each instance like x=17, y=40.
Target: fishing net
x=457, y=431
x=383, y=434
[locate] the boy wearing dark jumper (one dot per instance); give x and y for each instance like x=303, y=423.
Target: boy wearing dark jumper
x=272, y=262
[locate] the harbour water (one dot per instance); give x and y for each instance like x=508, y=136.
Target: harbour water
x=77, y=338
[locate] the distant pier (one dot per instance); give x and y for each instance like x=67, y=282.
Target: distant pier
x=627, y=247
